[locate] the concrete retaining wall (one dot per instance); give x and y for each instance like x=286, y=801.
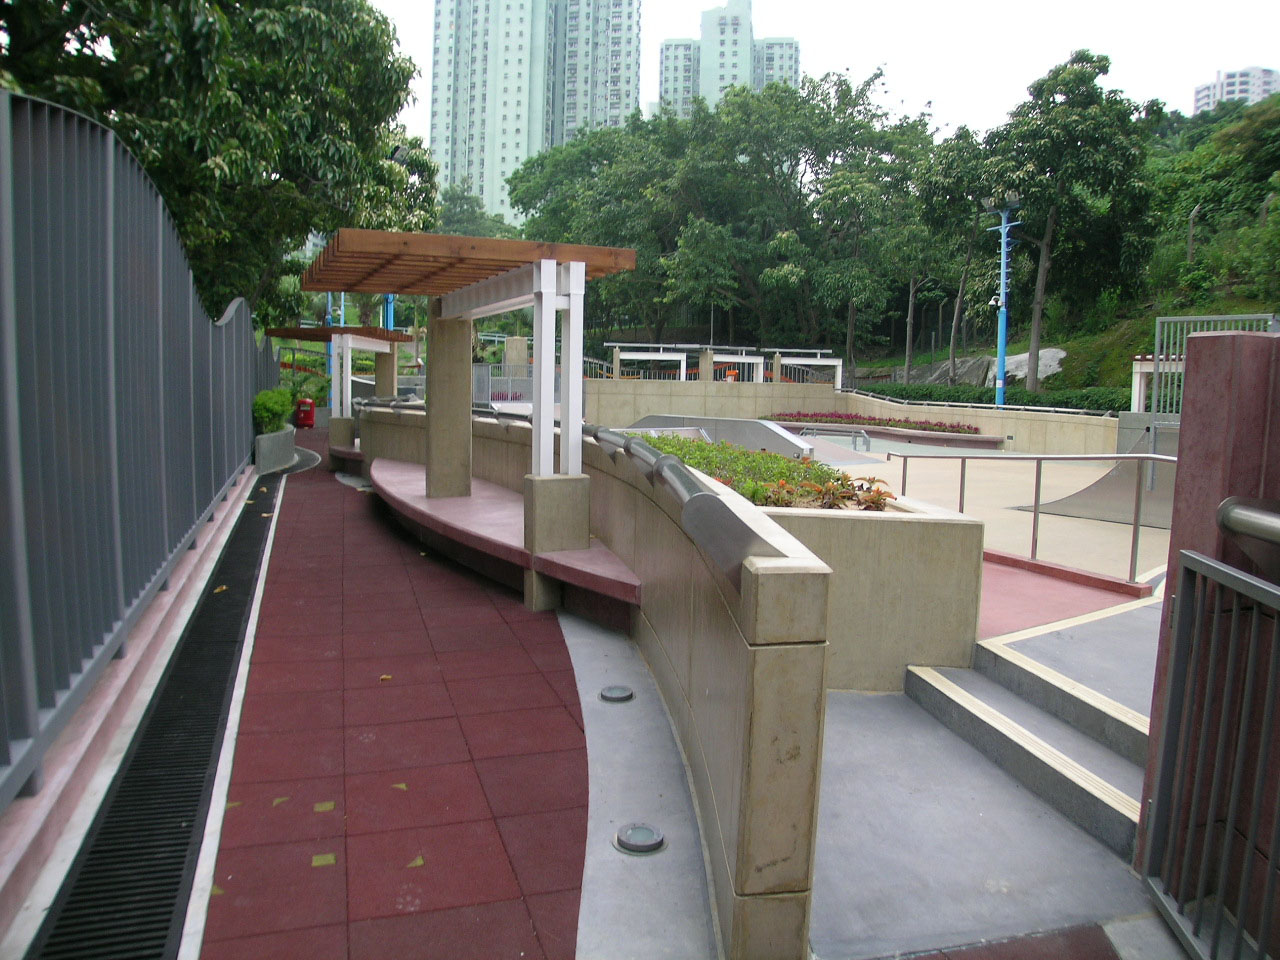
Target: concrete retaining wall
x=905, y=587
x=274, y=451
x=620, y=403
x=742, y=676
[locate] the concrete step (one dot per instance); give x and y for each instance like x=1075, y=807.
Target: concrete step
x=1112, y=724
x=1095, y=788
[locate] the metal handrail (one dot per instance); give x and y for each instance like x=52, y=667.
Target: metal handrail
x=708, y=521
x=975, y=406
x=1250, y=518
x=1039, y=459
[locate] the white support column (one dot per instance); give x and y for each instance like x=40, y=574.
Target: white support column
x=838, y=381
x=346, y=375
x=572, y=284
x=684, y=368
x=759, y=370
x=544, y=369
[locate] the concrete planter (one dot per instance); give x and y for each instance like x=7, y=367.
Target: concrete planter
x=905, y=586
x=274, y=451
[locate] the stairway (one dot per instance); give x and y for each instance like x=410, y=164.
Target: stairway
x=1078, y=750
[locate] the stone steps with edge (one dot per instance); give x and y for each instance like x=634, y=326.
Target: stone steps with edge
x=1094, y=788
x=1117, y=727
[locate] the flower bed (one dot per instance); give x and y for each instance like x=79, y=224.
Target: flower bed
x=770, y=479
x=862, y=420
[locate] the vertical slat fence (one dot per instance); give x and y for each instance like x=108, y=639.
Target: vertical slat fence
x=125, y=414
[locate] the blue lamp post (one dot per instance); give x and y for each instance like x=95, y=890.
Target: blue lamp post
x=1012, y=202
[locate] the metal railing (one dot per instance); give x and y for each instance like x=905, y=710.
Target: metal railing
x=125, y=414
x=1040, y=460
x=505, y=383
x=1170, y=352
x=1213, y=855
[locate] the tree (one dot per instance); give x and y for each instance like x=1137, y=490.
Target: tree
x=258, y=121
x=950, y=183
x=462, y=214
x=1075, y=153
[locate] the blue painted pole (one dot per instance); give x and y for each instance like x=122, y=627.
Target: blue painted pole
x=1002, y=334
x=328, y=347
x=1002, y=326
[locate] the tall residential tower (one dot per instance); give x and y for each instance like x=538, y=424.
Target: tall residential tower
x=726, y=56
x=511, y=78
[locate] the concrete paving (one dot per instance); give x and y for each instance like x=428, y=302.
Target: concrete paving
x=1114, y=655
x=923, y=844
x=641, y=907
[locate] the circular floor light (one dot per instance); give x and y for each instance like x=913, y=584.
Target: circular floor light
x=639, y=838
x=617, y=694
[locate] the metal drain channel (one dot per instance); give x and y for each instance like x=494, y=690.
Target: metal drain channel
x=125, y=896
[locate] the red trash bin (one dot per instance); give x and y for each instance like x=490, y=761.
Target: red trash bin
x=304, y=416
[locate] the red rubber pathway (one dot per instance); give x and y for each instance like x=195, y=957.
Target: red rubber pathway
x=410, y=776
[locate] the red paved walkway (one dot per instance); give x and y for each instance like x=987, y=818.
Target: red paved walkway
x=1015, y=599
x=410, y=772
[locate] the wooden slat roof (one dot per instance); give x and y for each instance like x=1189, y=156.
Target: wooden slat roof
x=379, y=261
x=325, y=334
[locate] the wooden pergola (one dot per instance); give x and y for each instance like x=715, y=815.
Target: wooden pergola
x=476, y=277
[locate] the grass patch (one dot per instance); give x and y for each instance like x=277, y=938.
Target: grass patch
x=772, y=480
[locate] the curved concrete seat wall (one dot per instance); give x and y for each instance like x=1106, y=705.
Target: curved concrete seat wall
x=741, y=672
x=905, y=588
x=395, y=434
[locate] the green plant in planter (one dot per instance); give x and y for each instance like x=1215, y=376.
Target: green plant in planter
x=271, y=409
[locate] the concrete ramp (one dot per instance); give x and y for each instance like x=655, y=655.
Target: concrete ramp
x=1110, y=497
x=752, y=434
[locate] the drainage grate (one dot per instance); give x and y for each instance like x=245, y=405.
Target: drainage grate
x=125, y=896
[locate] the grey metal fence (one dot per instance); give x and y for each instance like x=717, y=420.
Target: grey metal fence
x=126, y=414
x=1213, y=858
x=1170, y=354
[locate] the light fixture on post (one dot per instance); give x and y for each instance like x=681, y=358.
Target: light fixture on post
x=1011, y=202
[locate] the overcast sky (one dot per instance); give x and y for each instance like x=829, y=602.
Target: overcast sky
x=971, y=61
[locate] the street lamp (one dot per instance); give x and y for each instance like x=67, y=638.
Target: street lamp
x=1011, y=202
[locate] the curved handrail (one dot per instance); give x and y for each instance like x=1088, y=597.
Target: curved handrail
x=705, y=517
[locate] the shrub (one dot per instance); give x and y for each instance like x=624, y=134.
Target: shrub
x=271, y=408
x=772, y=480
x=862, y=420
x=1085, y=398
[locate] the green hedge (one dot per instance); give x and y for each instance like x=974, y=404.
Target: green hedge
x=1087, y=398
x=271, y=408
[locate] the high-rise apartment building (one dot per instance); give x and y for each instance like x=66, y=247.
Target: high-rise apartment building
x=681, y=72
x=727, y=55
x=1251, y=85
x=511, y=78
x=777, y=61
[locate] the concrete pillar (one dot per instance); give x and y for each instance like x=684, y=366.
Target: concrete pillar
x=777, y=368
x=557, y=516
x=1228, y=446
x=386, y=376
x=706, y=365
x=448, y=406
x=617, y=363
x=516, y=351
